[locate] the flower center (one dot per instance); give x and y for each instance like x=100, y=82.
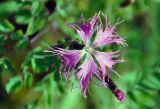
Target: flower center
x=89, y=50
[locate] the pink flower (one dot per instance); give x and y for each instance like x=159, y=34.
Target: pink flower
x=96, y=63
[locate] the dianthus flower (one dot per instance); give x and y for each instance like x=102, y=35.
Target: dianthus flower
x=96, y=63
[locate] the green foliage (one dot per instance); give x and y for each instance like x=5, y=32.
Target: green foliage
x=22, y=43
x=37, y=59
x=6, y=64
x=35, y=24
x=2, y=38
x=28, y=79
x=23, y=16
x=14, y=84
x=6, y=26
x=17, y=35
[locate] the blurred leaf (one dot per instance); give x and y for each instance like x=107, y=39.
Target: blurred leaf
x=17, y=35
x=48, y=98
x=28, y=79
x=36, y=8
x=38, y=61
x=38, y=64
x=140, y=96
x=61, y=11
x=32, y=105
x=151, y=82
x=2, y=37
x=7, y=64
x=33, y=61
x=23, y=16
x=35, y=24
x=8, y=7
x=22, y=43
x=14, y=84
x=132, y=96
x=45, y=82
x=6, y=26
x=40, y=86
x=25, y=65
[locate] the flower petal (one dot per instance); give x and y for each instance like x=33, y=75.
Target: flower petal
x=107, y=36
x=105, y=60
x=85, y=28
x=86, y=70
x=70, y=58
x=108, y=40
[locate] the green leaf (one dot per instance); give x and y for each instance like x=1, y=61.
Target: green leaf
x=33, y=62
x=28, y=79
x=151, y=82
x=40, y=86
x=36, y=8
x=147, y=97
x=7, y=7
x=2, y=37
x=35, y=24
x=61, y=11
x=32, y=105
x=17, y=35
x=23, y=16
x=6, y=26
x=22, y=43
x=7, y=64
x=14, y=84
x=25, y=65
x=38, y=65
x=48, y=98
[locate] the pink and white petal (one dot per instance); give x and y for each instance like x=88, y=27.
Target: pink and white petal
x=94, y=20
x=86, y=70
x=102, y=34
x=105, y=60
x=107, y=36
x=109, y=40
x=70, y=58
x=85, y=29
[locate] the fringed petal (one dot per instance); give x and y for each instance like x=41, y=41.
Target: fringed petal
x=105, y=60
x=108, y=40
x=107, y=35
x=89, y=67
x=85, y=28
x=86, y=70
x=70, y=58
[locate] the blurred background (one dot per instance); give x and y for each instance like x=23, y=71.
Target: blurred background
x=30, y=79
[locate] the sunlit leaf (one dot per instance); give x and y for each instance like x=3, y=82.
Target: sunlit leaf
x=36, y=8
x=28, y=79
x=35, y=24
x=23, y=16
x=7, y=64
x=6, y=26
x=14, y=84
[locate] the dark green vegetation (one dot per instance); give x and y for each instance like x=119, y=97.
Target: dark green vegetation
x=30, y=78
